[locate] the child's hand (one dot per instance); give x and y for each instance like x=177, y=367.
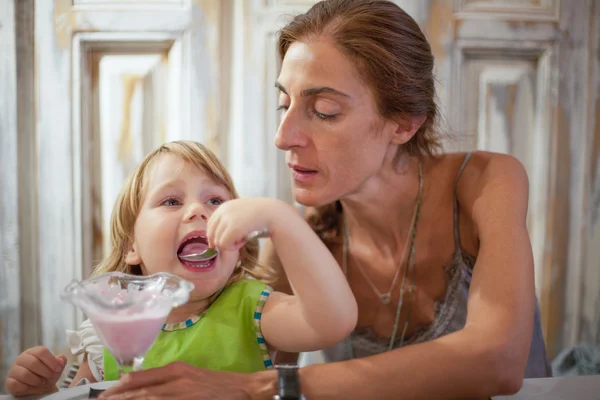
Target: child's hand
x=232, y=221
x=35, y=371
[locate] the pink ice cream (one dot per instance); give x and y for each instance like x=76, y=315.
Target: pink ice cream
x=128, y=311
x=128, y=337
x=129, y=332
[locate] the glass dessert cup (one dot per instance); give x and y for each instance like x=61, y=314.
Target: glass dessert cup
x=128, y=311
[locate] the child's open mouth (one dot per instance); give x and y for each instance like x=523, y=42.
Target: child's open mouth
x=194, y=245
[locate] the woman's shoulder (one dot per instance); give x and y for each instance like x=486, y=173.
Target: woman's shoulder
x=484, y=166
x=482, y=169
x=477, y=160
x=478, y=167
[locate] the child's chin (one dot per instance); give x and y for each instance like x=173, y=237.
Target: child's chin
x=206, y=288
x=204, y=293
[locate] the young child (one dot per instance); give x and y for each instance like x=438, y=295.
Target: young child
x=181, y=200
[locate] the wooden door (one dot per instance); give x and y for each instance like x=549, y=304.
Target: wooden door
x=104, y=82
x=521, y=77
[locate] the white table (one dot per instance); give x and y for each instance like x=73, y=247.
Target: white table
x=563, y=388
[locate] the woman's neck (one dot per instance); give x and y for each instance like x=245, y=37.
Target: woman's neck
x=380, y=213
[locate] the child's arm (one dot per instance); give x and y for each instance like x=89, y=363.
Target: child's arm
x=85, y=341
x=83, y=372
x=322, y=310
x=269, y=258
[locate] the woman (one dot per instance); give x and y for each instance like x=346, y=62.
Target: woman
x=435, y=247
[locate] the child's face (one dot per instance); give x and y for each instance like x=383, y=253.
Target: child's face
x=178, y=202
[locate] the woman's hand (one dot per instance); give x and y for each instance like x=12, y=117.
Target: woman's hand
x=179, y=380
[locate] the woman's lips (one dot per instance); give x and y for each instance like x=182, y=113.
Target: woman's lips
x=301, y=174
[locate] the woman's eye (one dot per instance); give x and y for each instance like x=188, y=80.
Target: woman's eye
x=171, y=202
x=215, y=201
x=324, y=116
x=282, y=107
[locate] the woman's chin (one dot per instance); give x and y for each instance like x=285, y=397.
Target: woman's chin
x=311, y=198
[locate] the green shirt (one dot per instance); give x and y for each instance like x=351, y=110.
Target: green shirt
x=227, y=337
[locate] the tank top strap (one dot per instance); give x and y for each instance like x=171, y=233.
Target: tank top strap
x=456, y=229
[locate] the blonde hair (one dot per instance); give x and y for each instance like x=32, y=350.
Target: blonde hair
x=129, y=202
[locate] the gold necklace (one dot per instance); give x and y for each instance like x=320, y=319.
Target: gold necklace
x=412, y=256
x=384, y=298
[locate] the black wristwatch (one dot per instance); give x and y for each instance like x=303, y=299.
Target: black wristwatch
x=288, y=383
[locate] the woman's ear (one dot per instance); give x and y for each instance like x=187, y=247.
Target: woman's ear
x=407, y=127
x=133, y=257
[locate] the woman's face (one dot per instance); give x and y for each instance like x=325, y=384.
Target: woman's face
x=335, y=141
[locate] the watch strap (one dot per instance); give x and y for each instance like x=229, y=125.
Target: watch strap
x=288, y=382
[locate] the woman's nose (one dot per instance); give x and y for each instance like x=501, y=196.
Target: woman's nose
x=291, y=132
x=196, y=211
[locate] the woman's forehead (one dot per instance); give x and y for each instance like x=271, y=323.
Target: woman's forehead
x=319, y=63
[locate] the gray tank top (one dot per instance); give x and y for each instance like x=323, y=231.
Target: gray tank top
x=450, y=314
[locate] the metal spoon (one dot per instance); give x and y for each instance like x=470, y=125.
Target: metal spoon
x=211, y=253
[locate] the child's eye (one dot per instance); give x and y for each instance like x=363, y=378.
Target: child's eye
x=215, y=201
x=171, y=202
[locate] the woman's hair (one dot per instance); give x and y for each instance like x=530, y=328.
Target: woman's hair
x=393, y=58
x=129, y=203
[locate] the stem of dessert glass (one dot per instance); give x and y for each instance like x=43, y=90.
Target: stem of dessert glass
x=129, y=366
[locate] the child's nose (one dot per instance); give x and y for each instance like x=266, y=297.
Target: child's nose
x=196, y=210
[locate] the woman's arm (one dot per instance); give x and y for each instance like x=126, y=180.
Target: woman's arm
x=489, y=355
x=322, y=310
